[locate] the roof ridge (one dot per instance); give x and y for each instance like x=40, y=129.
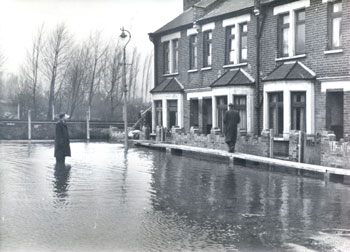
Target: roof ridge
x=291, y=69
x=235, y=74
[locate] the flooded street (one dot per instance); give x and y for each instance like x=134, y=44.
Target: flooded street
x=153, y=201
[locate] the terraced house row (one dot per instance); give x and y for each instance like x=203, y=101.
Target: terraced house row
x=285, y=65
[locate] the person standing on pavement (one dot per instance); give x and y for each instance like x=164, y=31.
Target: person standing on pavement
x=62, y=147
x=231, y=120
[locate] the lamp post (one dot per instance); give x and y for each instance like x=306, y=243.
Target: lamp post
x=125, y=34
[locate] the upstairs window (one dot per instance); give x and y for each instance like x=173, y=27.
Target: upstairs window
x=230, y=45
x=207, y=46
x=166, y=59
x=175, y=52
x=291, y=27
x=283, y=33
x=243, y=42
x=193, y=52
x=300, y=32
x=335, y=23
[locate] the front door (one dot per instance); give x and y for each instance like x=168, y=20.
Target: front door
x=335, y=113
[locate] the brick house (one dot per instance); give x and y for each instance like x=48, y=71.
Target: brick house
x=284, y=65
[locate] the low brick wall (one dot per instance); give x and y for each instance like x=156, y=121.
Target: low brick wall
x=335, y=153
x=248, y=144
x=319, y=149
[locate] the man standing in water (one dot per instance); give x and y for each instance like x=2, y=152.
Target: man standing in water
x=62, y=148
x=231, y=119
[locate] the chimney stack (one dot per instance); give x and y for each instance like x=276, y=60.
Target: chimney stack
x=189, y=3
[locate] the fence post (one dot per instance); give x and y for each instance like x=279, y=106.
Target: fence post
x=87, y=125
x=53, y=112
x=18, y=111
x=29, y=125
x=272, y=136
x=300, y=147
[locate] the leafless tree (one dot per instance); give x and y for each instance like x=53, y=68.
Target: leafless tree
x=55, y=59
x=112, y=77
x=77, y=77
x=133, y=72
x=30, y=69
x=148, y=81
x=98, y=50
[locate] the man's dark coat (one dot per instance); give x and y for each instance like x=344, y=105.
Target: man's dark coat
x=231, y=119
x=62, y=148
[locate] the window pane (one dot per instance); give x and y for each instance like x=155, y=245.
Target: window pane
x=166, y=57
x=285, y=19
x=232, y=56
x=244, y=54
x=285, y=41
x=336, y=32
x=337, y=7
x=245, y=28
x=301, y=16
x=244, y=50
x=300, y=39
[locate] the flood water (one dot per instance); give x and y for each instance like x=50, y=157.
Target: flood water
x=154, y=201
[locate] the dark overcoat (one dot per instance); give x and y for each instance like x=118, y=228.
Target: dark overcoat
x=231, y=120
x=62, y=148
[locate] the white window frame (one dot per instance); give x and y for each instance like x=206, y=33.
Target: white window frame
x=287, y=87
x=291, y=8
x=236, y=22
x=164, y=97
x=171, y=38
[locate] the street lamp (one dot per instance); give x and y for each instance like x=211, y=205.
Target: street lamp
x=125, y=34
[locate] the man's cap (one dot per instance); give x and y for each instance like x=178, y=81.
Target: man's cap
x=62, y=115
x=230, y=105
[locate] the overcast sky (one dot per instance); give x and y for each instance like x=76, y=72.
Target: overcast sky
x=20, y=19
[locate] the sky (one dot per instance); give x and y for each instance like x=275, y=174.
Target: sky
x=20, y=20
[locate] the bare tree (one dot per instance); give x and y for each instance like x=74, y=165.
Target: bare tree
x=148, y=77
x=112, y=78
x=30, y=70
x=133, y=71
x=97, y=52
x=77, y=76
x=56, y=57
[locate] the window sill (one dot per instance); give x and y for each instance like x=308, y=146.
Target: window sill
x=236, y=65
x=205, y=68
x=192, y=71
x=170, y=74
x=334, y=51
x=291, y=58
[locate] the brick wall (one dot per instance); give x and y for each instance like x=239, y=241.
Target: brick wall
x=333, y=153
x=259, y=146
x=324, y=65
x=347, y=113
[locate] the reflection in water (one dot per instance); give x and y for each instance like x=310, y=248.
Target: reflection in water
x=143, y=200
x=61, y=183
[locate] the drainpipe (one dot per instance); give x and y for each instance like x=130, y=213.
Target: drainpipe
x=259, y=27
